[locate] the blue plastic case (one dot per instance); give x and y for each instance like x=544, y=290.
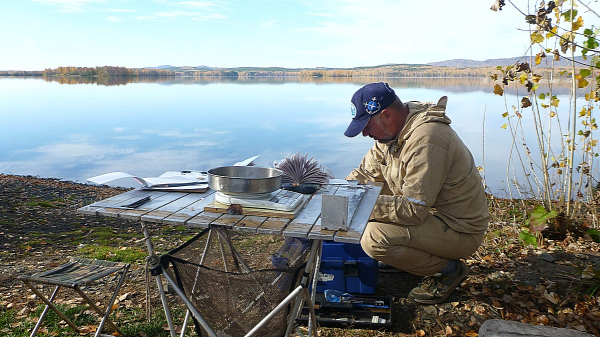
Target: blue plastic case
x=346, y=267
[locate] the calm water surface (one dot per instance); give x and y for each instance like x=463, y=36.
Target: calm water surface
x=78, y=130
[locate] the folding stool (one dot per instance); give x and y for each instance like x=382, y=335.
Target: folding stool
x=74, y=274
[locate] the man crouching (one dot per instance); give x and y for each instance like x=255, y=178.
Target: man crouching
x=433, y=210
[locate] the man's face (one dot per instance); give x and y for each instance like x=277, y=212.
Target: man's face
x=377, y=129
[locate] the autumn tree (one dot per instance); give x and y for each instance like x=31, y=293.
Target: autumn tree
x=560, y=164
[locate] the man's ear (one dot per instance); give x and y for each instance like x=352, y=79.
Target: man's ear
x=385, y=113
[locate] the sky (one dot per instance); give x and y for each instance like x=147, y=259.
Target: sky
x=40, y=34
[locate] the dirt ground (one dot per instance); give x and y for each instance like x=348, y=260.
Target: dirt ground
x=548, y=286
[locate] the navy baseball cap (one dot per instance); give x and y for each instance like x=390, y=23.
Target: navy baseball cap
x=367, y=102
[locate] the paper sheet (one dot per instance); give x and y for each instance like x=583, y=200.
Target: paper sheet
x=169, y=179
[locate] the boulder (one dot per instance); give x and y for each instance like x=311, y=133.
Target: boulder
x=501, y=328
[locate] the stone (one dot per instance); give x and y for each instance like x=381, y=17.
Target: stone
x=501, y=328
x=547, y=257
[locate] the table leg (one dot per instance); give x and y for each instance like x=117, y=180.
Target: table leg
x=307, y=278
x=159, y=284
x=314, y=278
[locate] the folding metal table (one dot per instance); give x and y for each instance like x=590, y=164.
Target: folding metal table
x=188, y=209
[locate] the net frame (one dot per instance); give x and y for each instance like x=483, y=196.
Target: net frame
x=231, y=295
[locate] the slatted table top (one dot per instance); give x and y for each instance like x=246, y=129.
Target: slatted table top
x=179, y=208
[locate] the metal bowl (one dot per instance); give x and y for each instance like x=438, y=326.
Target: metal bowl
x=244, y=179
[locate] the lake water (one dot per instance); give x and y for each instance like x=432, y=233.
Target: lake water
x=72, y=130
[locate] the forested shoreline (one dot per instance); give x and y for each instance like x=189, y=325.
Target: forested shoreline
x=407, y=70
x=396, y=70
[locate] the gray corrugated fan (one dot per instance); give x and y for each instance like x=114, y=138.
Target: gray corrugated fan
x=298, y=169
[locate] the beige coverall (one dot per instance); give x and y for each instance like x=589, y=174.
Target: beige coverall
x=433, y=205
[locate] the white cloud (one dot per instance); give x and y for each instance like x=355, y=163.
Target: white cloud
x=210, y=17
x=132, y=137
x=198, y=4
x=198, y=11
x=267, y=24
x=120, y=10
x=198, y=16
x=114, y=19
x=81, y=158
x=325, y=15
x=381, y=31
x=178, y=134
x=169, y=15
x=69, y=6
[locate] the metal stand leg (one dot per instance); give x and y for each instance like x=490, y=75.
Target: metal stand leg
x=294, y=294
x=48, y=306
x=185, y=323
x=307, y=279
x=314, y=278
x=159, y=284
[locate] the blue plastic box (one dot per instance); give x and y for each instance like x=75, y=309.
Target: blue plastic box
x=346, y=267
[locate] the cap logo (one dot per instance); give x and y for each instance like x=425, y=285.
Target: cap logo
x=373, y=106
x=353, y=110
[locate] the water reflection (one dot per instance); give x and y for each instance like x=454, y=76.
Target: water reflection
x=450, y=84
x=146, y=125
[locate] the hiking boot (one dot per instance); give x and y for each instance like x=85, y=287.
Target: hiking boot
x=435, y=289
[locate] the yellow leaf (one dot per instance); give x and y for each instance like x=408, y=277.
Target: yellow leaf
x=552, y=32
x=522, y=78
x=505, y=114
x=538, y=59
x=537, y=37
x=577, y=24
x=504, y=126
x=552, y=113
x=582, y=83
x=498, y=90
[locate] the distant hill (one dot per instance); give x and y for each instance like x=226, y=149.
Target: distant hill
x=449, y=68
x=465, y=63
x=177, y=67
x=160, y=67
x=455, y=63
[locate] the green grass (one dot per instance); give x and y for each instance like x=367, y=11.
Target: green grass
x=129, y=255
x=37, y=234
x=108, y=236
x=32, y=244
x=132, y=322
x=40, y=203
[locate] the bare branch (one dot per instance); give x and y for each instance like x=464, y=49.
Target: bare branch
x=589, y=9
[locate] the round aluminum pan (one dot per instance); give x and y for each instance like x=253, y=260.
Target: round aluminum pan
x=244, y=179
